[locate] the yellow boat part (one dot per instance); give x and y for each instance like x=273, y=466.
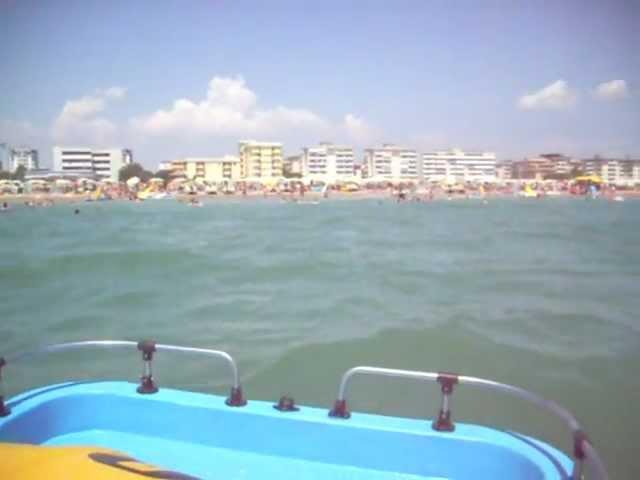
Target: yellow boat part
x=31, y=462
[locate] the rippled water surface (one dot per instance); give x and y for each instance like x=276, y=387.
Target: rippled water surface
x=542, y=294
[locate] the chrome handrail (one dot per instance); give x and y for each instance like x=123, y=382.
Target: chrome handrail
x=386, y=372
x=147, y=348
x=583, y=449
x=209, y=353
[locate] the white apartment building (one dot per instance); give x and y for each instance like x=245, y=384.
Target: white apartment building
x=210, y=169
x=391, y=162
x=458, y=166
x=504, y=170
x=622, y=172
x=260, y=159
x=328, y=162
x=23, y=157
x=102, y=163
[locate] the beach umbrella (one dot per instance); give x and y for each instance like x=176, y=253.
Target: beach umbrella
x=353, y=179
x=259, y=180
x=175, y=183
x=133, y=181
x=377, y=179
x=588, y=178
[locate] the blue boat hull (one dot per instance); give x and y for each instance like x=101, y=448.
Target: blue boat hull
x=199, y=435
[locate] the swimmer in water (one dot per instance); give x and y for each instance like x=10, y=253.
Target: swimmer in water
x=76, y=211
x=5, y=206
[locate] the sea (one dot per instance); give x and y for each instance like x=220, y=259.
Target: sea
x=542, y=294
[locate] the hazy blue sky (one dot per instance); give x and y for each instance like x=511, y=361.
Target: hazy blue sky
x=176, y=78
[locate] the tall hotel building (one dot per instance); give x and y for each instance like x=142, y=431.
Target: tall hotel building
x=105, y=163
x=23, y=157
x=392, y=162
x=459, y=166
x=260, y=159
x=328, y=162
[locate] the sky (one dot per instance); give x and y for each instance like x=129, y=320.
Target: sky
x=171, y=79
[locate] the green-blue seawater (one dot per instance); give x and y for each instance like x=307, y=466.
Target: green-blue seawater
x=543, y=294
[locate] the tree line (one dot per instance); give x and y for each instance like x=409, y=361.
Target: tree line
x=17, y=175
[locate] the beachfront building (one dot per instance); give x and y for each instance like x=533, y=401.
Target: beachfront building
x=504, y=170
x=614, y=171
x=391, y=162
x=546, y=165
x=166, y=166
x=328, y=162
x=4, y=155
x=23, y=157
x=209, y=169
x=99, y=163
x=458, y=166
x=260, y=159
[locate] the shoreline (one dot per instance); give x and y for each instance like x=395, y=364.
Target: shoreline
x=35, y=198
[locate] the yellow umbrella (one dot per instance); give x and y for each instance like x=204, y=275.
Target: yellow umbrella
x=588, y=178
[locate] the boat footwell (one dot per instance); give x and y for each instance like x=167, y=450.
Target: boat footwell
x=199, y=435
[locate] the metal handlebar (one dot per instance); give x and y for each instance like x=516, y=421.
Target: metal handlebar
x=148, y=348
x=583, y=450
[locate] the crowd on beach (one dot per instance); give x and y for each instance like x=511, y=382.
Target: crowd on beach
x=295, y=190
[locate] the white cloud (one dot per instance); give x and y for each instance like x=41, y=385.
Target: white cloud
x=555, y=96
x=113, y=92
x=79, y=120
x=82, y=107
x=229, y=108
x=612, y=90
x=357, y=129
